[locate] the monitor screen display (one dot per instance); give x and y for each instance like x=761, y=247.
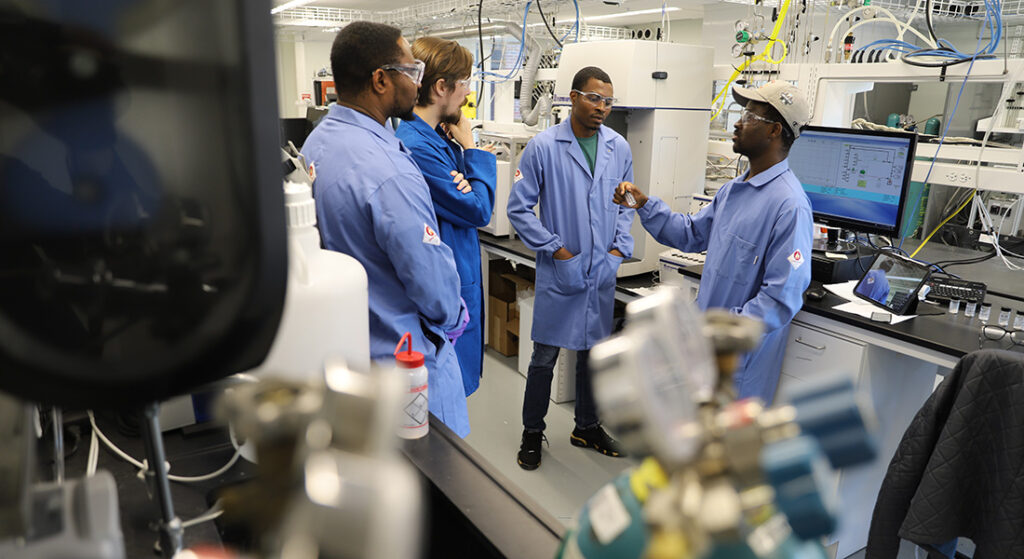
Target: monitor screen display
x=856, y=179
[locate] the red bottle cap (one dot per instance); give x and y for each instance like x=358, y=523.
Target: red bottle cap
x=407, y=359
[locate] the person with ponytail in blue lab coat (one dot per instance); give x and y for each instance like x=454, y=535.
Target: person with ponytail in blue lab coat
x=460, y=176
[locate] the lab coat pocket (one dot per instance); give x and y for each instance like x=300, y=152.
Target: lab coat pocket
x=608, y=193
x=568, y=275
x=611, y=269
x=739, y=259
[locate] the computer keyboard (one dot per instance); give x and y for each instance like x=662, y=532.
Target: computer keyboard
x=945, y=289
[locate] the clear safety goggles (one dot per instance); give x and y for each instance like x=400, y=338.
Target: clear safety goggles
x=597, y=99
x=412, y=71
x=749, y=116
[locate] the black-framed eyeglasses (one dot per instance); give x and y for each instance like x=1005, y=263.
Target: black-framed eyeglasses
x=596, y=99
x=996, y=333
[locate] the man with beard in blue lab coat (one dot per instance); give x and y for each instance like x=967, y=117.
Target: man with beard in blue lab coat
x=461, y=179
x=757, y=231
x=373, y=204
x=580, y=238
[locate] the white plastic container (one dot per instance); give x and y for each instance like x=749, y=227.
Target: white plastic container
x=415, y=402
x=326, y=308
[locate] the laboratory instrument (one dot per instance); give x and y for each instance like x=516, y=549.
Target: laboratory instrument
x=720, y=478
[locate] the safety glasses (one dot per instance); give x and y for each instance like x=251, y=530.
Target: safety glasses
x=596, y=99
x=748, y=116
x=464, y=84
x=412, y=71
x=995, y=333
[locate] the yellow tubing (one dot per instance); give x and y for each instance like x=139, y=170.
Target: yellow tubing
x=765, y=55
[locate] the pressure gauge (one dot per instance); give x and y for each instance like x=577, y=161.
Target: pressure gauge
x=650, y=379
x=670, y=312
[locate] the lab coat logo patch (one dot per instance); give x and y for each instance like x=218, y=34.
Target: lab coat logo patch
x=796, y=259
x=430, y=237
x=518, y=177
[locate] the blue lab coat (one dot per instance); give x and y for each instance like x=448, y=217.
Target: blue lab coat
x=758, y=236
x=875, y=286
x=373, y=204
x=458, y=216
x=575, y=297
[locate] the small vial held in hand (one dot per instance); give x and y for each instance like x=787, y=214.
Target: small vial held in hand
x=630, y=199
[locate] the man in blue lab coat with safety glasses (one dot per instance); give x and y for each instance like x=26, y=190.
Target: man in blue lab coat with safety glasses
x=460, y=176
x=581, y=237
x=757, y=231
x=373, y=204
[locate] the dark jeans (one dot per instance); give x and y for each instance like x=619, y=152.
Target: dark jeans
x=538, y=389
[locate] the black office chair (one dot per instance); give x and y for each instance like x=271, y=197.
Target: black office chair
x=959, y=469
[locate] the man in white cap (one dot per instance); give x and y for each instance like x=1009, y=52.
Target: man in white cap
x=757, y=231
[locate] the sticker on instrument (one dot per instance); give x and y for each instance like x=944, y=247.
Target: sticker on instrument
x=430, y=236
x=608, y=515
x=518, y=177
x=796, y=259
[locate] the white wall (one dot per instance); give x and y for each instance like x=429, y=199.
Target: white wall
x=300, y=56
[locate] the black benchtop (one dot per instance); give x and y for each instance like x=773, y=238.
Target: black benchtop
x=953, y=335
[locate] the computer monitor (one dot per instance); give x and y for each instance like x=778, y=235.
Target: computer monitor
x=855, y=179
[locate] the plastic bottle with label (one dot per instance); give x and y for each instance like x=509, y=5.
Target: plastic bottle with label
x=415, y=410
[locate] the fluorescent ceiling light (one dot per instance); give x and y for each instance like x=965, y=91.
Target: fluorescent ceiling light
x=624, y=14
x=291, y=4
x=612, y=16
x=587, y=18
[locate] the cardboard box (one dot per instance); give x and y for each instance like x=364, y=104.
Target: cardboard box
x=497, y=286
x=512, y=325
x=519, y=283
x=503, y=341
x=499, y=336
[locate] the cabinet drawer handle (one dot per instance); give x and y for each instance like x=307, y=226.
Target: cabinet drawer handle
x=812, y=346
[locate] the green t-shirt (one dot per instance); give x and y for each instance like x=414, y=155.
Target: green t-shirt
x=589, y=147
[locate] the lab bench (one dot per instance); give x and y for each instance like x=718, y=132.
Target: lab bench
x=895, y=365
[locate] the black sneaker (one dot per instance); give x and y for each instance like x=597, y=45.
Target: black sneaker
x=597, y=439
x=529, y=450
